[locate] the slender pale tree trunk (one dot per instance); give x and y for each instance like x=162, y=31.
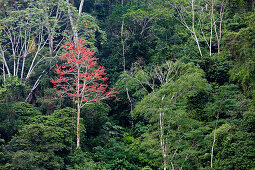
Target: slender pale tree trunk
x=163, y=140
x=80, y=10
x=214, y=139
x=122, y=40
x=73, y=23
x=4, y=72
x=78, y=107
x=51, y=44
x=129, y=99
x=4, y=60
x=198, y=45
x=193, y=29
x=123, y=47
x=211, y=35
x=23, y=66
x=78, y=124
x=218, y=35
x=28, y=98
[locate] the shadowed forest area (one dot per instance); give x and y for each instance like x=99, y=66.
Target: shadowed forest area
x=127, y=84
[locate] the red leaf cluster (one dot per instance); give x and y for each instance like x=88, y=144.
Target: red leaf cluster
x=79, y=77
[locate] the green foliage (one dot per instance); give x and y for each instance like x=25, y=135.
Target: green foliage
x=130, y=91
x=226, y=102
x=95, y=116
x=180, y=130
x=64, y=119
x=48, y=101
x=241, y=45
x=2, y=154
x=13, y=90
x=188, y=83
x=45, y=142
x=248, y=121
x=13, y=116
x=147, y=146
x=196, y=106
x=38, y=146
x=81, y=160
x=130, y=82
x=115, y=156
x=128, y=139
x=237, y=151
x=90, y=31
x=217, y=67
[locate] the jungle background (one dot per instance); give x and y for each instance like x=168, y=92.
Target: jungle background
x=185, y=70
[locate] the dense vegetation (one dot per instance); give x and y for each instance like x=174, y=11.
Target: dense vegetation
x=184, y=70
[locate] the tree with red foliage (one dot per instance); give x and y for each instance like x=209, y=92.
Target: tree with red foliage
x=81, y=79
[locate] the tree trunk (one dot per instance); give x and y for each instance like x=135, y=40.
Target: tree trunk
x=165, y=163
x=163, y=140
x=198, y=45
x=73, y=26
x=193, y=28
x=211, y=35
x=4, y=72
x=4, y=61
x=73, y=23
x=122, y=41
x=214, y=138
x=78, y=125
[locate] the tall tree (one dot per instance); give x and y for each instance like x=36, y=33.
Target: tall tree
x=81, y=79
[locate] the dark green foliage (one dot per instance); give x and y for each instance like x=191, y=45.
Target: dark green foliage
x=64, y=119
x=217, y=68
x=45, y=142
x=196, y=106
x=95, y=116
x=237, y=151
x=226, y=102
x=235, y=144
x=130, y=91
x=115, y=156
x=13, y=116
x=81, y=160
x=2, y=154
x=248, y=122
x=49, y=101
x=240, y=43
x=38, y=146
